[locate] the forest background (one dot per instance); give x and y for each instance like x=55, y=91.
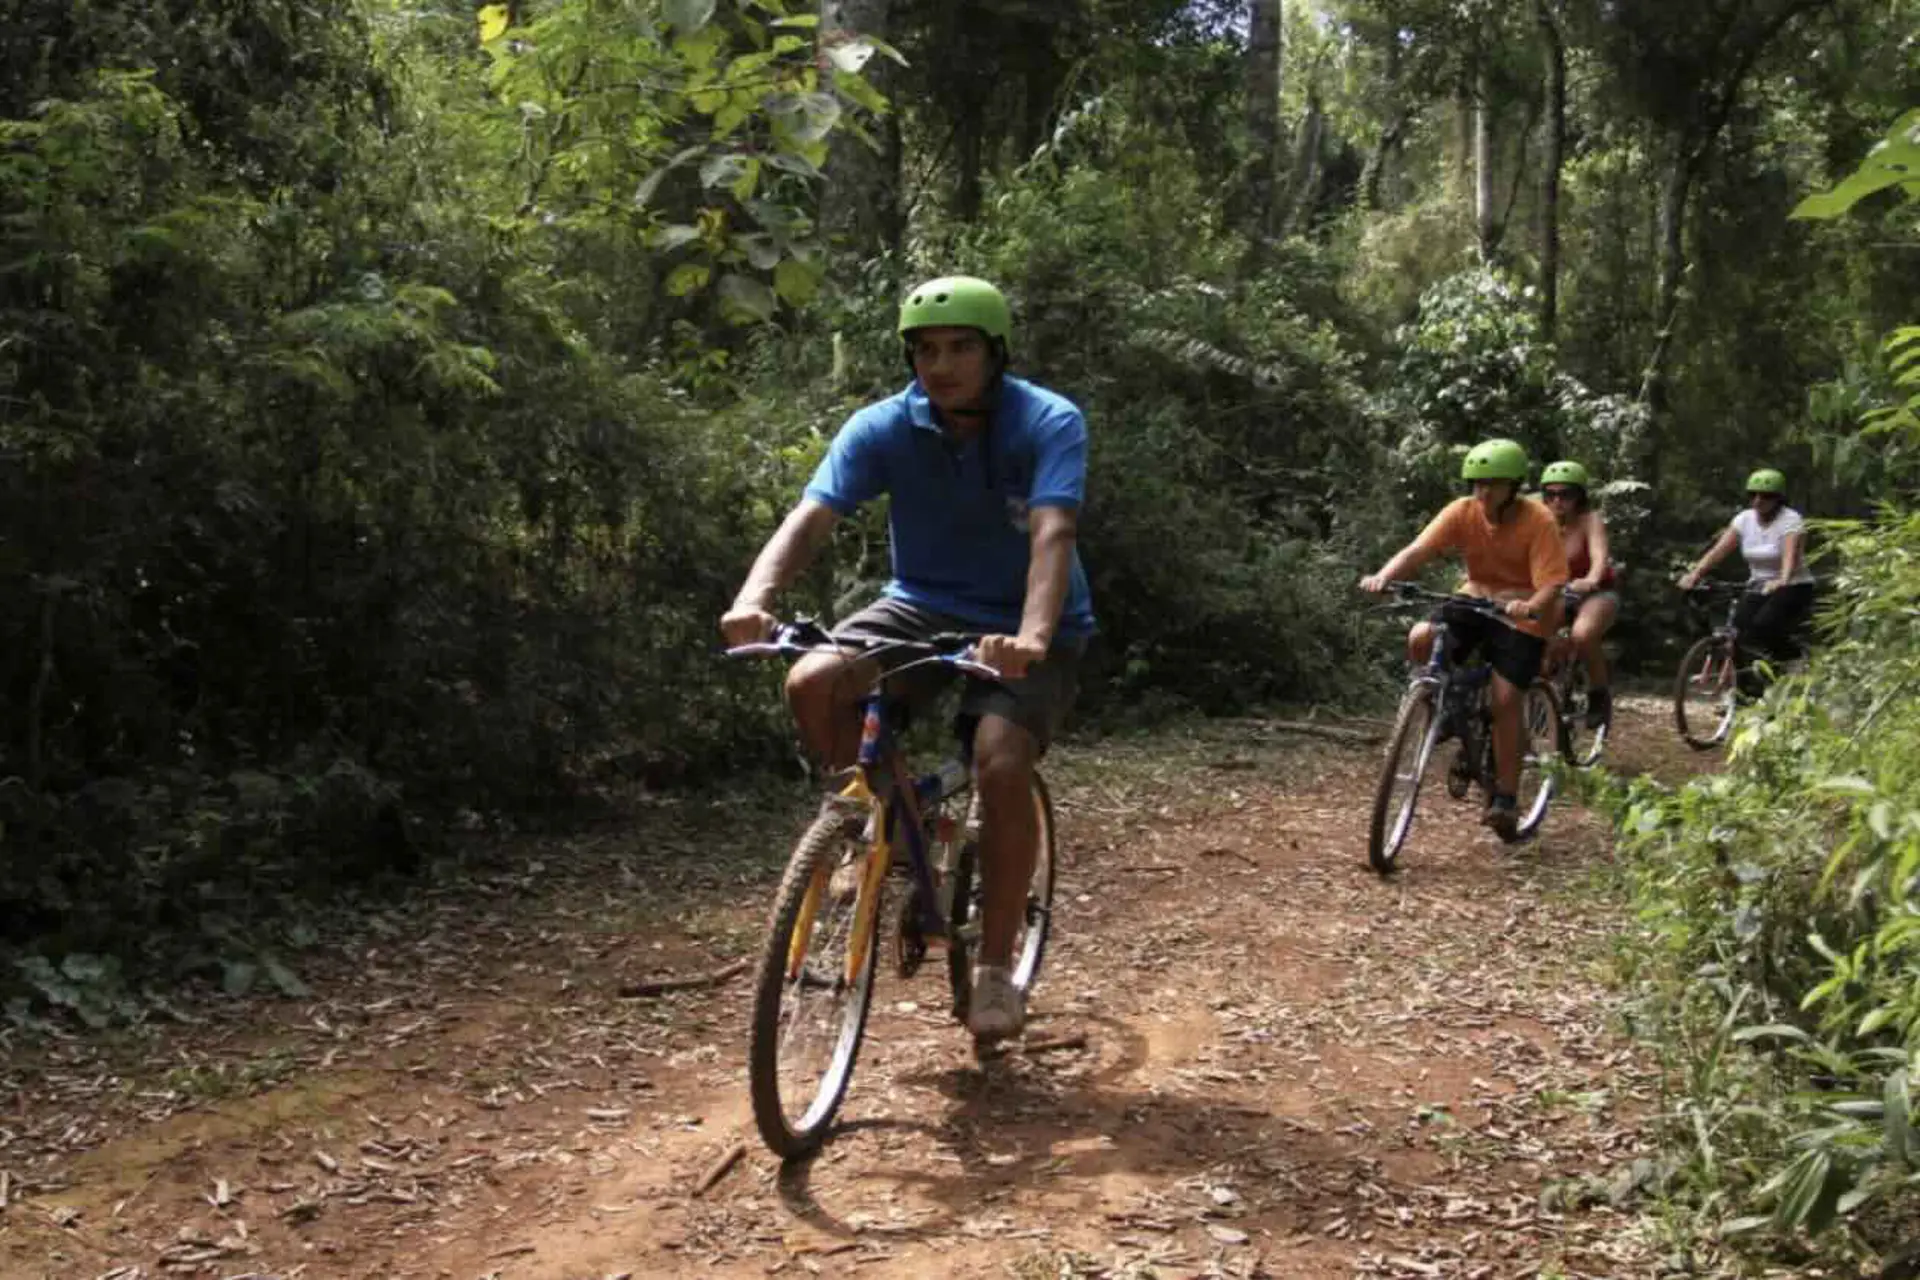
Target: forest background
x=392, y=395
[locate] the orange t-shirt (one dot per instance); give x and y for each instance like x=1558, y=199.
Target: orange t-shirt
x=1516, y=557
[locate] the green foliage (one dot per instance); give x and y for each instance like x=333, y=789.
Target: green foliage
x=335, y=508
x=1894, y=163
x=1472, y=366
x=696, y=129
x=1213, y=532
x=1776, y=911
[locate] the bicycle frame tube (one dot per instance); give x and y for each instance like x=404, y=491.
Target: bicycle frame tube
x=897, y=809
x=1442, y=646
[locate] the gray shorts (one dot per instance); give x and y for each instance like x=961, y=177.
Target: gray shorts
x=1038, y=701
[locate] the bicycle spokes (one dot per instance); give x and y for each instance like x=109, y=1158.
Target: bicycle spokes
x=1408, y=751
x=873, y=877
x=803, y=925
x=1704, y=692
x=811, y=1004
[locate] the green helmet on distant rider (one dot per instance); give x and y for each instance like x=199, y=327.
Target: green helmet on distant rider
x=965, y=302
x=1495, y=460
x=1565, y=472
x=1767, y=480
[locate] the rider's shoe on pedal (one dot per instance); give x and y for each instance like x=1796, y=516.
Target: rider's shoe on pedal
x=997, y=1009
x=1503, y=815
x=1599, y=708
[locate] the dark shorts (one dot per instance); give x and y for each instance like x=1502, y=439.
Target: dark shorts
x=1773, y=624
x=1604, y=593
x=1038, y=702
x=1515, y=655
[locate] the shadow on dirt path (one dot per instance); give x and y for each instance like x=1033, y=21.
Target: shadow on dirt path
x=1274, y=1063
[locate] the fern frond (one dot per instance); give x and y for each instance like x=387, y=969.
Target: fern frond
x=1201, y=354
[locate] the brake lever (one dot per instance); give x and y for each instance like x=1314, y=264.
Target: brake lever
x=974, y=667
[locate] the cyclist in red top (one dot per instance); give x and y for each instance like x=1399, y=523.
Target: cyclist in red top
x=1564, y=487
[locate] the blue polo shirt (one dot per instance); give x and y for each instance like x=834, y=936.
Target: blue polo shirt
x=958, y=516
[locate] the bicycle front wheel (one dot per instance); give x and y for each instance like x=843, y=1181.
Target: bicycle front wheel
x=813, y=990
x=1703, y=694
x=1408, y=748
x=1581, y=746
x=1036, y=921
x=1542, y=740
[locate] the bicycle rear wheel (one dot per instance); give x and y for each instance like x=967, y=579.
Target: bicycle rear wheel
x=809, y=1012
x=1408, y=748
x=1703, y=694
x=1542, y=739
x=1030, y=942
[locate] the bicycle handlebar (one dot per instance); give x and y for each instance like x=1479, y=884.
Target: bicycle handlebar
x=796, y=639
x=1413, y=591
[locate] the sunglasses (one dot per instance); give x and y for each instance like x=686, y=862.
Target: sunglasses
x=1555, y=495
x=1752, y=496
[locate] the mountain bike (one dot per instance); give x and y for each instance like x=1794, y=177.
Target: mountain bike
x=815, y=980
x=1448, y=702
x=1706, y=689
x=1567, y=673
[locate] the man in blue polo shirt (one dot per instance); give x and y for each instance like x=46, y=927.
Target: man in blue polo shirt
x=985, y=473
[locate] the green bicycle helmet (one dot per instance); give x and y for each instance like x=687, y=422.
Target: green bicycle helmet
x=1564, y=473
x=1767, y=480
x=1495, y=460
x=962, y=301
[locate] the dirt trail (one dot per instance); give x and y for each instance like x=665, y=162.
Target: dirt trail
x=1290, y=1068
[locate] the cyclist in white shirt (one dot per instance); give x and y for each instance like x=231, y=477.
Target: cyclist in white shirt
x=1771, y=537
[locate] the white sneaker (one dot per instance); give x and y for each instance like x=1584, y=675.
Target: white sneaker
x=998, y=1009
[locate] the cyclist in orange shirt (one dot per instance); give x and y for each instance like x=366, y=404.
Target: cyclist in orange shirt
x=1514, y=554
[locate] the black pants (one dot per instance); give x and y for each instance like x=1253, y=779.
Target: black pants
x=1771, y=626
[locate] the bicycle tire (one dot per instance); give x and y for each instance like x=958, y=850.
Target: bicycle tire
x=822, y=843
x=1696, y=735
x=1412, y=730
x=1030, y=949
x=1541, y=726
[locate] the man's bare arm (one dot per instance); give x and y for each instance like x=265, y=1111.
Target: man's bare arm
x=785, y=557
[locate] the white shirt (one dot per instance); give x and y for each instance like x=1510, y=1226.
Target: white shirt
x=1763, y=544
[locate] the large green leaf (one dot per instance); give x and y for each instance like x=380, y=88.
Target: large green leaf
x=1898, y=1119
x=689, y=15
x=796, y=281
x=746, y=299
x=1893, y=162
x=688, y=277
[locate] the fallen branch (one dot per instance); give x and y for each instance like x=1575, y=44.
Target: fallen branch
x=692, y=982
x=1078, y=1040
x=1228, y=853
x=719, y=1168
x=1152, y=866
x=1359, y=736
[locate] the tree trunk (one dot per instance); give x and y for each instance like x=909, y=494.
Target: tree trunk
x=1305, y=182
x=860, y=199
x=1460, y=187
x=1483, y=216
x=1692, y=143
x=1674, y=194
x=1554, y=49
x=1265, y=54
x=1374, y=171
x=1041, y=70
x=970, y=132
